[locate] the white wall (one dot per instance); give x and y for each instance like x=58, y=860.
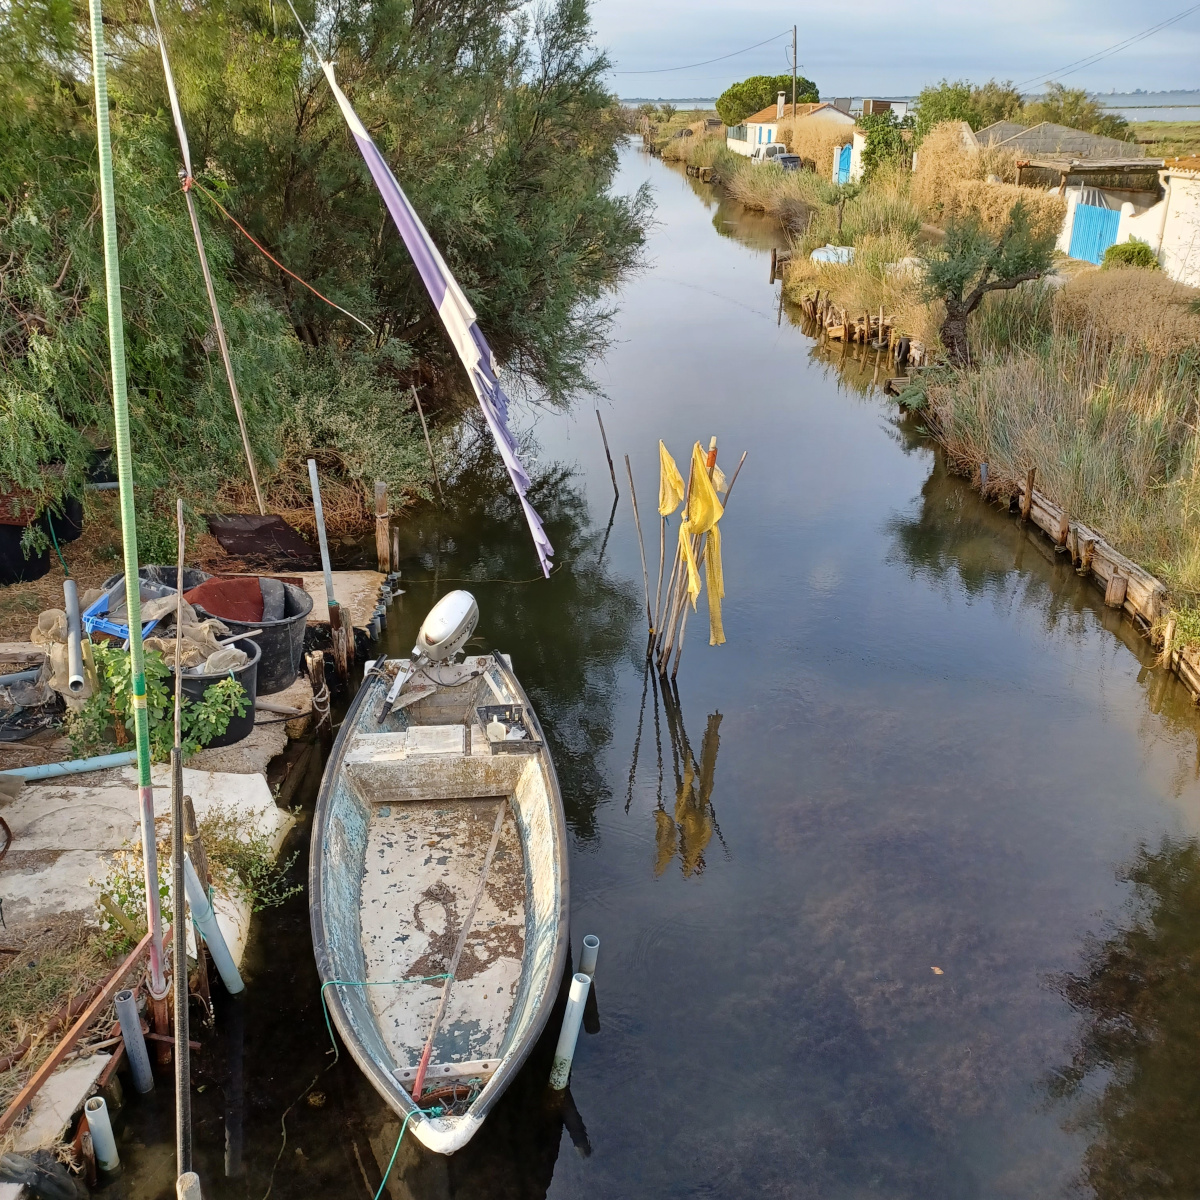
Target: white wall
x=1171, y=227
x=856, y=155
x=739, y=145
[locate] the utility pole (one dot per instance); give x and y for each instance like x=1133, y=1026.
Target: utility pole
x=793, y=74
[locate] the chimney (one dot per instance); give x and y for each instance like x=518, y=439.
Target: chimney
x=779, y=106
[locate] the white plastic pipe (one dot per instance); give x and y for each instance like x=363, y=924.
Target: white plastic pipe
x=564, y=1052
x=206, y=922
x=100, y=1127
x=187, y=1186
x=588, y=955
x=135, y=1042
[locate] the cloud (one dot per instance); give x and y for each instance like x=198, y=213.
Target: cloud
x=895, y=48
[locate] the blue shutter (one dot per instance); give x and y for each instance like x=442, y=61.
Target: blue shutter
x=1093, y=231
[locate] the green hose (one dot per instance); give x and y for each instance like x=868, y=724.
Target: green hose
x=116, y=349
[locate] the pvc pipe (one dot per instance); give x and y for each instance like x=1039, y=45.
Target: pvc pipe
x=587, y=956
x=21, y=676
x=74, y=637
x=75, y=766
x=321, y=539
x=187, y=1186
x=564, y=1052
x=135, y=1042
x=100, y=1127
x=206, y=922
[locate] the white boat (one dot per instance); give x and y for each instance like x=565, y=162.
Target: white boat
x=445, y=814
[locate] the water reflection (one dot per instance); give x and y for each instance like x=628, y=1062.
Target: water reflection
x=567, y=635
x=1133, y=1071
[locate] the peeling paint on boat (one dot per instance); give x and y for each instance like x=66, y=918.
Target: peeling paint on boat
x=400, y=833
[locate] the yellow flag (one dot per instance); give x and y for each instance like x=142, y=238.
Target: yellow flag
x=703, y=511
x=716, y=587
x=670, y=482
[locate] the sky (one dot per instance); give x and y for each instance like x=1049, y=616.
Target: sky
x=870, y=47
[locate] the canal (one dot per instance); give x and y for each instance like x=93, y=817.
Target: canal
x=890, y=897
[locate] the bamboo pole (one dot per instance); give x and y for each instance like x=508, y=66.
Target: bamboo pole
x=662, y=553
x=383, y=541
x=641, y=547
x=673, y=586
x=428, y=446
x=133, y=603
x=218, y=325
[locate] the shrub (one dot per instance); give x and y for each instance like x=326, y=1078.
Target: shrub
x=1147, y=307
x=1133, y=253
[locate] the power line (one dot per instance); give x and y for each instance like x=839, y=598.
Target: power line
x=722, y=58
x=1080, y=63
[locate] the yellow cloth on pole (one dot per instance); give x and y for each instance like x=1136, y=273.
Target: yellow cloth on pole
x=670, y=482
x=716, y=587
x=703, y=512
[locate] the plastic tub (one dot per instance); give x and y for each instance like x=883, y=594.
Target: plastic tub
x=282, y=641
x=194, y=687
x=163, y=575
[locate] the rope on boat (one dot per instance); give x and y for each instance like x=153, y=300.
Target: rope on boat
x=366, y=983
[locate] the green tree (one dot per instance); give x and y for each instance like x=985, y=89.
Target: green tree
x=667, y=111
x=995, y=101
x=1075, y=108
x=971, y=262
x=885, y=142
x=740, y=100
x=977, y=104
x=496, y=120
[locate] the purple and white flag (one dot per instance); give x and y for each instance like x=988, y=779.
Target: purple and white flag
x=455, y=310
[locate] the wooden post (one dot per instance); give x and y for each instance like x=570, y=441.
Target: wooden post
x=315, y=660
x=341, y=658
x=1027, y=499
x=1168, y=643
x=611, y=472
x=1064, y=528
x=1073, y=544
x=1114, y=594
x=774, y=263
x=1085, y=555
x=383, y=541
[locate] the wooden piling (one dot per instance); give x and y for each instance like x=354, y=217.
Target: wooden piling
x=1086, y=548
x=774, y=262
x=1064, y=529
x=1027, y=498
x=315, y=661
x=338, y=628
x=1114, y=593
x=611, y=472
x=1168, y=644
x=383, y=541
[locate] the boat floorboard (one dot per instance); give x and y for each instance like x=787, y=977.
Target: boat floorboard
x=423, y=863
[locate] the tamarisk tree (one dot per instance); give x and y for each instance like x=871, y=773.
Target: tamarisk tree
x=972, y=262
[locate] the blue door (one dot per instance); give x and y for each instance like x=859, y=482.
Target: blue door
x=1094, y=230
x=843, y=174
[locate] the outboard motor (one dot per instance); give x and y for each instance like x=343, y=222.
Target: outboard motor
x=443, y=633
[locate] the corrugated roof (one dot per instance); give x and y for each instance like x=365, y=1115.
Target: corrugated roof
x=1050, y=139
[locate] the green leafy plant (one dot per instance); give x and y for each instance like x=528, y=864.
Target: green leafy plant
x=1133, y=253
x=242, y=862
x=885, y=141
x=972, y=262
x=107, y=717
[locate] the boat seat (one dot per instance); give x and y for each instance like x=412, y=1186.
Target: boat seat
x=431, y=762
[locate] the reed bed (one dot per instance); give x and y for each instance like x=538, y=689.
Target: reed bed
x=1145, y=306
x=1110, y=426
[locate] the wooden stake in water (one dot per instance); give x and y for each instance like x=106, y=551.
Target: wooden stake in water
x=611, y=471
x=641, y=546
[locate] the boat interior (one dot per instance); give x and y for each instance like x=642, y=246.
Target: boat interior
x=412, y=813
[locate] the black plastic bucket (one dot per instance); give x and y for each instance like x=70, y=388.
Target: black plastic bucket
x=194, y=687
x=14, y=566
x=166, y=576
x=282, y=641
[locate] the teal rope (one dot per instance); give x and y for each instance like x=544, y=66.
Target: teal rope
x=54, y=539
x=366, y=983
x=436, y=1110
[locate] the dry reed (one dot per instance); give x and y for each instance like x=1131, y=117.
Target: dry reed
x=1146, y=306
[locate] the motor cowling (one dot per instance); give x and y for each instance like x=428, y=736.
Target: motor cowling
x=446, y=629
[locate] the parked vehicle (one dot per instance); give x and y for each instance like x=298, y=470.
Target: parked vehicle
x=768, y=152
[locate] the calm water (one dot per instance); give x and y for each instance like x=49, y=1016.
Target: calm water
x=867, y=892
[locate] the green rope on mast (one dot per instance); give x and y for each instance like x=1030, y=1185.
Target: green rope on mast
x=116, y=350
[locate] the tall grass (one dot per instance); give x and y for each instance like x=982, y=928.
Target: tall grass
x=1110, y=426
